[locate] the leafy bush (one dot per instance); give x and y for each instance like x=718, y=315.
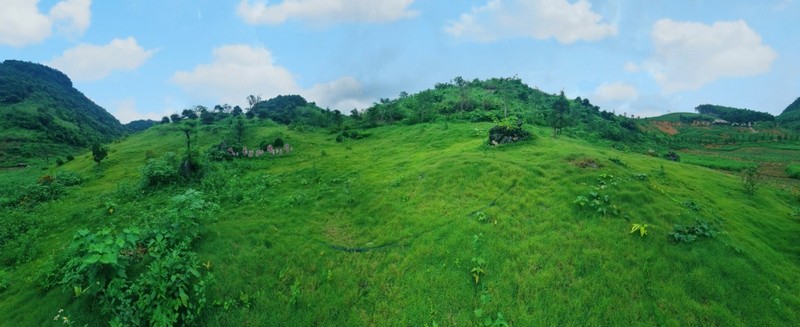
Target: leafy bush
x=690, y=233
x=793, y=171
x=68, y=178
x=5, y=280
x=672, y=156
x=161, y=172
x=18, y=238
x=751, y=180
x=146, y=275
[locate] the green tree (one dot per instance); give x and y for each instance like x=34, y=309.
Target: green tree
x=99, y=152
x=559, y=115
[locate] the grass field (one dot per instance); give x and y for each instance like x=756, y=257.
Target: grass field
x=388, y=230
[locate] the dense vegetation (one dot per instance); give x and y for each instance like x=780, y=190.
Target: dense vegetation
x=44, y=117
x=734, y=115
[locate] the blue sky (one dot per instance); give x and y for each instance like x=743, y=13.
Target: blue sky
x=150, y=58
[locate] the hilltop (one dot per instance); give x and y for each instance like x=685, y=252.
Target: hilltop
x=45, y=117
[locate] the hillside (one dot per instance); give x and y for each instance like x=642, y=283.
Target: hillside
x=44, y=117
x=790, y=117
x=409, y=225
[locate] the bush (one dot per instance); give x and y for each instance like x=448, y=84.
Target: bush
x=140, y=275
x=793, y=171
x=672, y=156
x=690, y=233
x=59, y=162
x=751, y=180
x=278, y=143
x=68, y=178
x=161, y=172
x=70, y=157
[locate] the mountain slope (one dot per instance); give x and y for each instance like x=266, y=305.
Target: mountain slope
x=44, y=115
x=790, y=117
x=390, y=229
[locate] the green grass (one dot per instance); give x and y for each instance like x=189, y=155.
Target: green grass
x=793, y=171
x=275, y=245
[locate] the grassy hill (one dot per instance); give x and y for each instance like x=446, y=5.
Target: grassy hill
x=412, y=225
x=44, y=117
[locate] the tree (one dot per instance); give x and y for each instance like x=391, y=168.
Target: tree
x=99, y=152
x=236, y=111
x=188, y=114
x=252, y=100
x=175, y=118
x=559, y=115
x=165, y=120
x=337, y=118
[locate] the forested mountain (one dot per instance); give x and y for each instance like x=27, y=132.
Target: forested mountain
x=790, y=117
x=43, y=115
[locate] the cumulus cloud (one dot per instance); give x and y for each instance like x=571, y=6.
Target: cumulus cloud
x=240, y=70
x=689, y=55
x=125, y=111
x=539, y=19
x=72, y=16
x=88, y=62
x=23, y=24
x=324, y=11
x=616, y=92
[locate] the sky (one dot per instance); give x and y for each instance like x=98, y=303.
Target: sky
x=145, y=59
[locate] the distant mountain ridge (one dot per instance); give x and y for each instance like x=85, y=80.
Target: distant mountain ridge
x=43, y=115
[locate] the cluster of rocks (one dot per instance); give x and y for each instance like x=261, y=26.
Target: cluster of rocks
x=501, y=134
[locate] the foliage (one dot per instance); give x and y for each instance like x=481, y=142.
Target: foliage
x=751, y=180
x=597, y=198
x=559, y=114
x=5, y=280
x=478, y=269
x=507, y=131
x=691, y=233
x=144, y=275
x=18, y=237
x=162, y=171
x=793, y=171
x=734, y=115
x=641, y=228
x=99, y=152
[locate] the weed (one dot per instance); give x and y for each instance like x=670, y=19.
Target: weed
x=294, y=292
x=478, y=269
x=5, y=280
x=640, y=176
x=618, y=161
x=596, y=199
x=641, y=228
x=691, y=233
x=691, y=205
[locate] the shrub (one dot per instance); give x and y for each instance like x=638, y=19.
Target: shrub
x=161, y=172
x=5, y=280
x=793, y=171
x=751, y=180
x=59, y=162
x=68, y=178
x=278, y=143
x=672, y=156
x=70, y=157
x=141, y=275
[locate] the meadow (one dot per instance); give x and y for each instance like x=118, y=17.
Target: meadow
x=422, y=225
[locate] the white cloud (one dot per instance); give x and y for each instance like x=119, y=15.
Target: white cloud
x=689, y=55
x=240, y=70
x=539, y=19
x=88, y=62
x=616, y=92
x=23, y=24
x=125, y=111
x=72, y=16
x=324, y=11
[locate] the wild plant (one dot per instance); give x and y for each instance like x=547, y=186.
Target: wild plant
x=641, y=228
x=691, y=233
x=751, y=180
x=478, y=269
